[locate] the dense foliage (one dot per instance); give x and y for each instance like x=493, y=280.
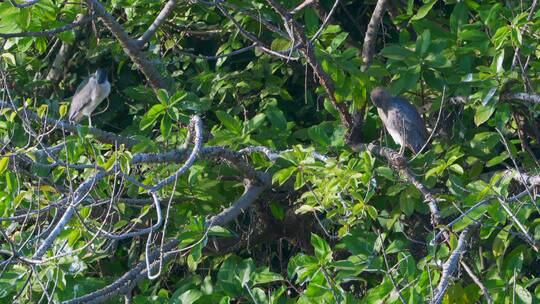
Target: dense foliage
x=277, y=201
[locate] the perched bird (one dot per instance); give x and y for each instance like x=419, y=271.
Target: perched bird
x=88, y=96
x=401, y=119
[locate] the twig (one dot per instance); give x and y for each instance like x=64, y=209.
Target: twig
x=301, y=6
x=477, y=281
x=521, y=227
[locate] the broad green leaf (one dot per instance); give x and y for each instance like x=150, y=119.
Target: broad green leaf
x=4, y=161
x=424, y=10
x=151, y=116
x=397, y=52
x=323, y=252
x=483, y=113
x=229, y=122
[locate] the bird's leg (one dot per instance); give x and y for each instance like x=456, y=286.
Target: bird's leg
x=90, y=121
x=402, y=150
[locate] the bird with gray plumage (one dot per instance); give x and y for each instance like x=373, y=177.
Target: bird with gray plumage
x=401, y=119
x=88, y=96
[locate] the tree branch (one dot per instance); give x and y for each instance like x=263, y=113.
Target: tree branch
x=160, y=19
x=370, y=39
x=450, y=265
x=50, y=32
x=132, y=49
x=103, y=136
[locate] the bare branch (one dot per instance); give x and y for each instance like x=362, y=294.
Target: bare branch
x=197, y=125
x=162, y=16
x=477, y=281
x=26, y=4
x=370, y=39
x=251, y=193
x=131, y=48
x=301, y=6
x=523, y=97
x=450, y=266
x=50, y=32
x=230, y=54
x=520, y=226
x=168, y=251
x=307, y=49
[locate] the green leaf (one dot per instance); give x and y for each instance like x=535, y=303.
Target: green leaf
x=263, y=276
x=422, y=43
x=166, y=126
x=255, y=123
x=277, y=210
x=9, y=59
x=397, y=52
x=283, y=175
x=163, y=96
x=323, y=252
x=280, y=44
x=517, y=38
x=338, y=40
x=501, y=35
x=276, y=118
x=483, y=113
x=3, y=164
x=151, y=116
x=497, y=159
x=523, y=294
x=424, y=10
x=230, y=122
x=190, y=296
x=319, y=135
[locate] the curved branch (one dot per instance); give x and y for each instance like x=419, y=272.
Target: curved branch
x=524, y=97
x=160, y=19
x=251, y=193
x=196, y=123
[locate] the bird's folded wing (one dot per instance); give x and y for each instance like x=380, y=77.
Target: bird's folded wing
x=83, y=83
x=80, y=100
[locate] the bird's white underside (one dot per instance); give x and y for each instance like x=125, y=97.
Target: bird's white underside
x=395, y=135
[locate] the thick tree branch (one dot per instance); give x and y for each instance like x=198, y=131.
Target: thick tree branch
x=370, y=39
x=131, y=48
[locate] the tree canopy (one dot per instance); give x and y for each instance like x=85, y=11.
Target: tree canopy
x=239, y=158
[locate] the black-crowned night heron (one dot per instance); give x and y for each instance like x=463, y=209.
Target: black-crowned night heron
x=401, y=119
x=88, y=96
